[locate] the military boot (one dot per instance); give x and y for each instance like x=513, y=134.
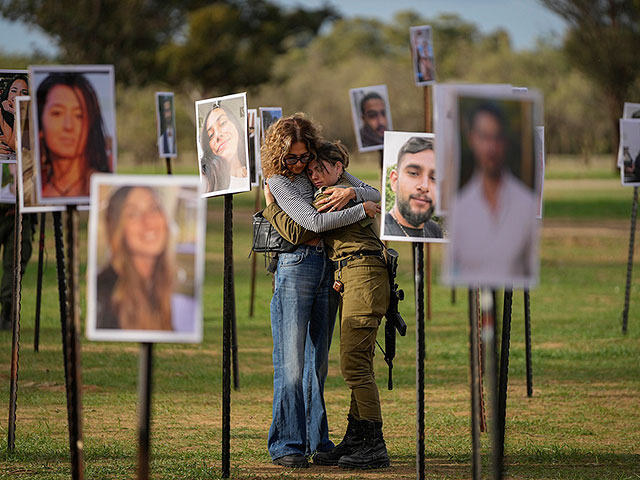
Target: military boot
x=373, y=452
x=352, y=440
x=5, y=317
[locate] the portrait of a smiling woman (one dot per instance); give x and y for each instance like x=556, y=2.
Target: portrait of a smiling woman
x=73, y=139
x=222, y=144
x=145, y=246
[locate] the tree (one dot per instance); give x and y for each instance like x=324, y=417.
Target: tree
x=603, y=42
x=231, y=45
x=142, y=38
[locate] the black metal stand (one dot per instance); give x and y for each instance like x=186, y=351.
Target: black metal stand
x=71, y=327
x=144, y=409
x=227, y=320
x=488, y=333
x=36, y=333
x=168, y=162
x=453, y=296
x=474, y=355
x=15, y=324
x=527, y=338
x=418, y=271
x=632, y=238
x=504, y=368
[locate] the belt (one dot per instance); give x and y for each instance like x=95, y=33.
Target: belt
x=366, y=253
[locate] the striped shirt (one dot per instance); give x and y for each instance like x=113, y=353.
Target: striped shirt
x=295, y=198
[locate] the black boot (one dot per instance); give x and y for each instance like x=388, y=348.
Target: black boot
x=352, y=441
x=373, y=453
x=5, y=317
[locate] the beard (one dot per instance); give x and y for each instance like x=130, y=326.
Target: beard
x=416, y=219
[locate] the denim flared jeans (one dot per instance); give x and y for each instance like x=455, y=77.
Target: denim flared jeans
x=303, y=311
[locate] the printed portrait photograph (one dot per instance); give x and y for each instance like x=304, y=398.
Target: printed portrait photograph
x=252, y=125
x=268, y=116
x=410, y=190
x=422, y=55
x=222, y=144
x=13, y=83
x=146, y=258
x=445, y=128
x=166, y=124
x=629, y=160
x=630, y=111
x=24, y=161
x=74, y=121
x=371, y=116
x=493, y=226
x=541, y=158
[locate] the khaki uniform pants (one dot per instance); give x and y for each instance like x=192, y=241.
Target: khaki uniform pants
x=364, y=302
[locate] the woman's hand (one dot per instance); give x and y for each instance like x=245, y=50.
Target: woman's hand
x=337, y=200
x=371, y=209
x=268, y=196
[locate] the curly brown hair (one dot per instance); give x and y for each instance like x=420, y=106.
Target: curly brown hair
x=280, y=136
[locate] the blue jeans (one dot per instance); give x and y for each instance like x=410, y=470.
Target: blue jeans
x=303, y=312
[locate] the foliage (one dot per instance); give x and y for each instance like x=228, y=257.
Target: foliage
x=603, y=43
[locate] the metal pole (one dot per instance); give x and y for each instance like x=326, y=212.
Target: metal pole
x=36, y=336
x=527, y=339
x=488, y=333
x=418, y=271
x=504, y=367
x=480, y=363
x=15, y=324
x=257, y=206
x=632, y=238
x=428, y=281
x=453, y=296
x=144, y=408
x=74, y=391
x=474, y=355
x=168, y=162
x=227, y=319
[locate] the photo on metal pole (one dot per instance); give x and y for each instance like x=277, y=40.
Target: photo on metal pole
x=371, y=116
x=13, y=83
x=493, y=226
x=221, y=142
x=410, y=189
x=74, y=128
x=166, y=125
x=146, y=259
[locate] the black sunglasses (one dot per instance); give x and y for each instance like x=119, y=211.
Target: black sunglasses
x=292, y=159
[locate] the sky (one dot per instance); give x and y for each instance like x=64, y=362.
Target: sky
x=525, y=20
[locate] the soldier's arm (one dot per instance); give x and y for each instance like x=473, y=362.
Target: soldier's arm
x=290, y=230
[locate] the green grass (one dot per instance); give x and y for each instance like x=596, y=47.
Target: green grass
x=583, y=421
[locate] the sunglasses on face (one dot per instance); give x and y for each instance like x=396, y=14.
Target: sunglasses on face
x=291, y=159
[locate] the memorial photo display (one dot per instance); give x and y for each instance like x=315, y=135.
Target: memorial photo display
x=629, y=160
x=268, y=116
x=371, y=116
x=73, y=109
x=424, y=70
x=493, y=226
x=146, y=258
x=166, y=124
x=13, y=83
x=410, y=189
x=221, y=141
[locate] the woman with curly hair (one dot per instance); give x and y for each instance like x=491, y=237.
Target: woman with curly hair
x=303, y=307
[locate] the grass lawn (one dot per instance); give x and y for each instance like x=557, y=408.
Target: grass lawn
x=583, y=421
